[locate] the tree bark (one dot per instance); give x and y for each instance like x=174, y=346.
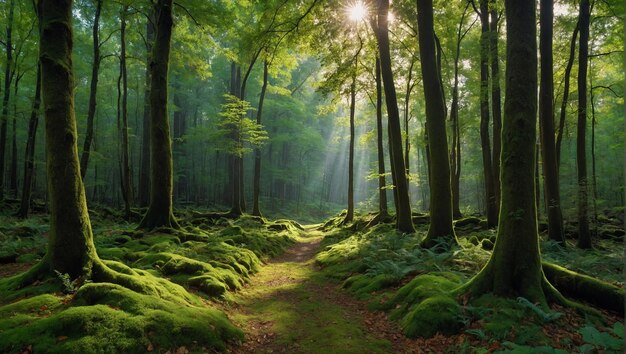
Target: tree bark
x=584, y=237
x=29, y=155
x=350, y=213
x=490, y=194
x=404, y=222
x=256, y=211
x=514, y=268
x=546, y=126
x=13, y=166
x=144, y=169
x=382, y=191
x=91, y=111
x=568, y=71
x=160, y=212
x=127, y=191
x=496, y=110
x=70, y=240
x=440, y=192
x=8, y=75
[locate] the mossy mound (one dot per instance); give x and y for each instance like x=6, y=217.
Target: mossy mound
x=106, y=318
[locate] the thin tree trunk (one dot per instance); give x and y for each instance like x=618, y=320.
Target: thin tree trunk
x=490, y=194
x=257, y=151
x=29, y=155
x=350, y=214
x=546, y=126
x=144, y=169
x=496, y=109
x=584, y=237
x=594, y=184
x=91, y=111
x=8, y=75
x=568, y=71
x=440, y=192
x=382, y=191
x=407, y=99
x=127, y=191
x=160, y=212
x=404, y=220
x=13, y=167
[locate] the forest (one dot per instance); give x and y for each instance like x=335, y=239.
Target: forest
x=310, y=176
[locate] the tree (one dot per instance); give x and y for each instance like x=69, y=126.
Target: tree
x=256, y=211
x=496, y=110
x=382, y=190
x=440, y=228
x=404, y=220
x=546, y=126
x=125, y=177
x=160, y=210
x=584, y=237
x=143, y=194
x=8, y=76
x=563, y=112
x=91, y=112
x=514, y=268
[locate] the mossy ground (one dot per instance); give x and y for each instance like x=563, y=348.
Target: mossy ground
x=416, y=287
x=182, y=273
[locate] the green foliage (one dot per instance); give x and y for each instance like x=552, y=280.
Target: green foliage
x=595, y=340
x=242, y=130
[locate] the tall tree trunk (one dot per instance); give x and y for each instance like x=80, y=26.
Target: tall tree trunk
x=514, y=268
x=235, y=180
x=180, y=127
x=127, y=191
x=29, y=155
x=496, y=109
x=70, y=240
x=404, y=220
x=594, y=184
x=563, y=113
x=584, y=237
x=546, y=126
x=91, y=111
x=350, y=214
x=440, y=192
x=13, y=167
x=455, y=151
x=407, y=116
x=144, y=169
x=382, y=191
x=8, y=75
x=256, y=211
x=160, y=211
x=490, y=194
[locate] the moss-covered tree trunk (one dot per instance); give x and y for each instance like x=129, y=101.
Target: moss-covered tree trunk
x=382, y=191
x=91, y=110
x=440, y=192
x=546, y=125
x=29, y=155
x=404, y=220
x=514, y=268
x=160, y=211
x=490, y=194
x=584, y=236
x=127, y=190
x=256, y=185
x=70, y=241
x=496, y=108
x=565, y=99
x=143, y=190
x=8, y=74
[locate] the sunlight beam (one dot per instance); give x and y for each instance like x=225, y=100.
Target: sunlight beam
x=357, y=11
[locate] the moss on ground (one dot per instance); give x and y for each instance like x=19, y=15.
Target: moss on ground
x=142, y=301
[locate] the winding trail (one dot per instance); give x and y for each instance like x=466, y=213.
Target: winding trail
x=288, y=307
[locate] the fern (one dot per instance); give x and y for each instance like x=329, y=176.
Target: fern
x=545, y=316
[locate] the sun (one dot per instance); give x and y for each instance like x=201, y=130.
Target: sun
x=357, y=11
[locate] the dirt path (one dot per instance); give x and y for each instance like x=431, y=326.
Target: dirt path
x=289, y=308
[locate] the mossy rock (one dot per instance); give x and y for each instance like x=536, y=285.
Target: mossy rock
x=208, y=285
x=419, y=289
x=470, y=220
x=363, y=285
x=474, y=240
x=436, y=314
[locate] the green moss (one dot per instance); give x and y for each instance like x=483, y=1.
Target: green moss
x=437, y=314
x=486, y=244
x=363, y=285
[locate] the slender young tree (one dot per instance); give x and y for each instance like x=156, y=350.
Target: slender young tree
x=8, y=76
x=143, y=195
x=160, y=211
x=91, y=110
x=126, y=178
x=404, y=220
x=514, y=268
x=29, y=155
x=256, y=211
x=382, y=191
x=584, y=236
x=440, y=192
x=350, y=214
x=564, y=101
x=546, y=125
x=496, y=108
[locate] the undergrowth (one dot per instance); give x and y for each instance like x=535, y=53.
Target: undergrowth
x=183, y=269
